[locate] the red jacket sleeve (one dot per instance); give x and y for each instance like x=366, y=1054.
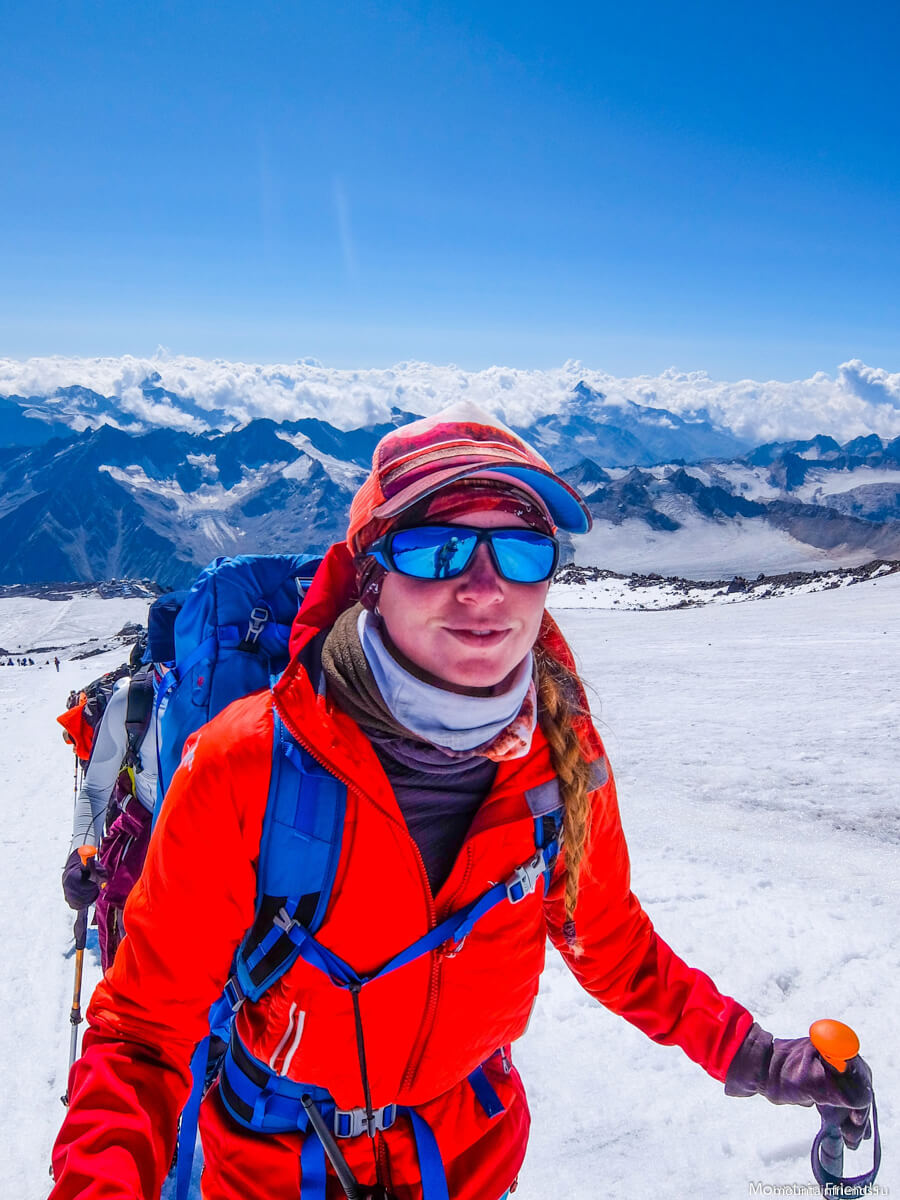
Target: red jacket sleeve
x=619, y=959
x=184, y=920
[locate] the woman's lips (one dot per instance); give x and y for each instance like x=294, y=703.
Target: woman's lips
x=478, y=637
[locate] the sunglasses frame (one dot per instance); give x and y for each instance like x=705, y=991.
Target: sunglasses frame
x=382, y=551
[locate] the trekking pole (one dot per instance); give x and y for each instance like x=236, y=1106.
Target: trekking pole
x=836, y=1044
x=85, y=853
x=75, y=1017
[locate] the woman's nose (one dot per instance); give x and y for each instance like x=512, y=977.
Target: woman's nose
x=480, y=583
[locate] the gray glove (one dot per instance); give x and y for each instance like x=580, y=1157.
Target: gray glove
x=791, y=1071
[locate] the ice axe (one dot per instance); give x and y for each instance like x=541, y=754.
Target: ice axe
x=85, y=853
x=837, y=1044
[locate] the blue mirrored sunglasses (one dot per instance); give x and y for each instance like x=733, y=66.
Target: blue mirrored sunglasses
x=445, y=551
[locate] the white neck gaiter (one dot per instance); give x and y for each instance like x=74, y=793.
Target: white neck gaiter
x=448, y=719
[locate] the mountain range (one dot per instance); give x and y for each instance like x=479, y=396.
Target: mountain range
x=87, y=494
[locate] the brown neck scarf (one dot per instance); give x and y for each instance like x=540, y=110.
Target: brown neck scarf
x=350, y=679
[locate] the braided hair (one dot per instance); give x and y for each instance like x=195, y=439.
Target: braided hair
x=562, y=713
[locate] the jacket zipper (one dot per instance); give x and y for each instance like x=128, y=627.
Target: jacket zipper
x=437, y=960
x=435, y=956
x=435, y=974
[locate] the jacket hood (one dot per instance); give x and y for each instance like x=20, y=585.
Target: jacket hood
x=331, y=592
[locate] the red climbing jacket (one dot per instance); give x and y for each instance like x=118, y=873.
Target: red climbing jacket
x=427, y=1025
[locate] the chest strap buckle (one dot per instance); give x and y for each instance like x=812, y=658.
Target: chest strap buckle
x=524, y=879
x=351, y=1122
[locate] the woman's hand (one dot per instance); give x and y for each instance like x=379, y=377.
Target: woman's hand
x=791, y=1071
x=81, y=882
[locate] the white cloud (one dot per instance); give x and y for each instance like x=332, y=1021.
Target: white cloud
x=858, y=400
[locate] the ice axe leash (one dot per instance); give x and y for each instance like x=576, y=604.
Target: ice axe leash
x=837, y=1044
x=85, y=853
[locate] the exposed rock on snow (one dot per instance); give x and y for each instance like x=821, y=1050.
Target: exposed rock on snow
x=591, y=587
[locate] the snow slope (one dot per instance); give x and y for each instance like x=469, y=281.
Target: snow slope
x=591, y=588
x=705, y=549
x=755, y=750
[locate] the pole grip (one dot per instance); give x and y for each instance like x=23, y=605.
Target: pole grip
x=88, y=854
x=837, y=1044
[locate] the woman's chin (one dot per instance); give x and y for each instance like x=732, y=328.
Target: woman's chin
x=475, y=672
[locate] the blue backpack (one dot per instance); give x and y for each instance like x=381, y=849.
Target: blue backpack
x=231, y=638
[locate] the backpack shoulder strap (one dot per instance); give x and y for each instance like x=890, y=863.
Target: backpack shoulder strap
x=299, y=853
x=298, y=859
x=137, y=717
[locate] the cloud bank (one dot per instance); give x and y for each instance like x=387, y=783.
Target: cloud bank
x=859, y=399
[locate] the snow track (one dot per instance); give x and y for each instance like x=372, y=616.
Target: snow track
x=755, y=752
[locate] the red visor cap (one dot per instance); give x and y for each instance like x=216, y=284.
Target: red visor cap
x=416, y=460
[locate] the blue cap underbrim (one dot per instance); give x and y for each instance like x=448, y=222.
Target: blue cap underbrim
x=568, y=510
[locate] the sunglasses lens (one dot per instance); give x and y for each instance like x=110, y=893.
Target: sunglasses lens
x=445, y=551
x=524, y=556
x=432, y=552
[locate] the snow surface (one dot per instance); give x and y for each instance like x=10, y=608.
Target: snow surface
x=625, y=592
x=706, y=549
x=755, y=751
x=832, y=483
x=858, y=399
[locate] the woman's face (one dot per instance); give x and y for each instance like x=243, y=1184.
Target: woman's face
x=471, y=631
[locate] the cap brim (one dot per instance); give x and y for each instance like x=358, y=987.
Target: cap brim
x=565, y=506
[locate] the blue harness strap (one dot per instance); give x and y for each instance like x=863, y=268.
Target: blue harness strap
x=265, y=1102
x=313, y=1170
x=301, y=845
x=431, y=1167
x=187, y=1130
x=487, y=1097
x=301, y=842
x=454, y=929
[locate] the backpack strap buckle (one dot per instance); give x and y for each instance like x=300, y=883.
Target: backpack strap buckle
x=351, y=1122
x=524, y=879
x=259, y=619
x=234, y=993
x=283, y=921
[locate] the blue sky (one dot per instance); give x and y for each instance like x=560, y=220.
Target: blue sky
x=709, y=186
